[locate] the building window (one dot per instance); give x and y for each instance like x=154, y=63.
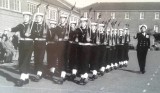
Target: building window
x=15, y=5
x=98, y=15
x=141, y=15
x=85, y=14
x=113, y=15
x=157, y=15
x=4, y=4
x=156, y=28
x=127, y=15
x=52, y=14
x=32, y=7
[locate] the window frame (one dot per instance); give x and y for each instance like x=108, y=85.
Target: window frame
x=142, y=15
x=113, y=15
x=156, y=15
x=127, y=15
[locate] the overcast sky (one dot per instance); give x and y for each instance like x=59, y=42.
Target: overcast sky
x=83, y=3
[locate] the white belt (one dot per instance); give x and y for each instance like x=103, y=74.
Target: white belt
x=40, y=39
x=86, y=44
x=50, y=42
x=28, y=39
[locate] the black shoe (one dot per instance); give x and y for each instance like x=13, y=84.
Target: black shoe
x=93, y=77
x=101, y=73
x=58, y=81
x=143, y=72
x=72, y=77
x=107, y=70
x=37, y=78
x=20, y=82
x=83, y=81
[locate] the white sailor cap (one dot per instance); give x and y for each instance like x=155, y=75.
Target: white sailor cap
x=143, y=25
x=84, y=19
x=108, y=29
x=126, y=28
x=101, y=25
x=120, y=29
x=93, y=24
x=39, y=14
x=7, y=29
x=73, y=22
x=27, y=13
x=52, y=22
x=63, y=16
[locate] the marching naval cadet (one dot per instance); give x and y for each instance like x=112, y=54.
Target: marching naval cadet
x=116, y=50
x=25, y=49
x=60, y=32
x=51, y=47
x=94, y=55
x=108, y=55
x=126, y=45
x=121, y=48
x=39, y=34
x=101, y=49
x=83, y=50
x=73, y=44
x=112, y=49
x=142, y=47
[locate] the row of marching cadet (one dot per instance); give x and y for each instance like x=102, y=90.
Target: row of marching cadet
x=78, y=49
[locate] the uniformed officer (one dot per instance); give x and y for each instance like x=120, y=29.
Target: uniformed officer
x=142, y=47
x=25, y=49
x=126, y=45
x=94, y=52
x=83, y=50
x=73, y=44
x=39, y=34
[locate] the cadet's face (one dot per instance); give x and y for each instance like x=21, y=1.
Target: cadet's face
x=39, y=19
x=53, y=25
x=84, y=24
x=73, y=26
x=93, y=28
x=26, y=18
x=63, y=19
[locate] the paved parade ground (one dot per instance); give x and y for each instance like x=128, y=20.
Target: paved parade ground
x=124, y=80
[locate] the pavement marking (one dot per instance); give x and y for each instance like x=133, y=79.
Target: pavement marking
x=151, y=78
x=144, y=90
x=153, y=75
x=148, y=84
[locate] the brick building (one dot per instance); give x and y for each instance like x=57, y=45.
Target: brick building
x=11, y=10
x=131, y=13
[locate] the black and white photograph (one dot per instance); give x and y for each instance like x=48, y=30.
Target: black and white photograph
x=79, y=46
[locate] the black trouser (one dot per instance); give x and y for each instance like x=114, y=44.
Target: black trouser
x=112, y=53
x=107, y=55
x=94, y=58
x=120, y=52
x=102, y=55
x=126, y=50
x=62, y=51
x=51, y=55
x=141, y=55
x=84, y=58
x=73, y=63
x=25, y=53
x=39, y=51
